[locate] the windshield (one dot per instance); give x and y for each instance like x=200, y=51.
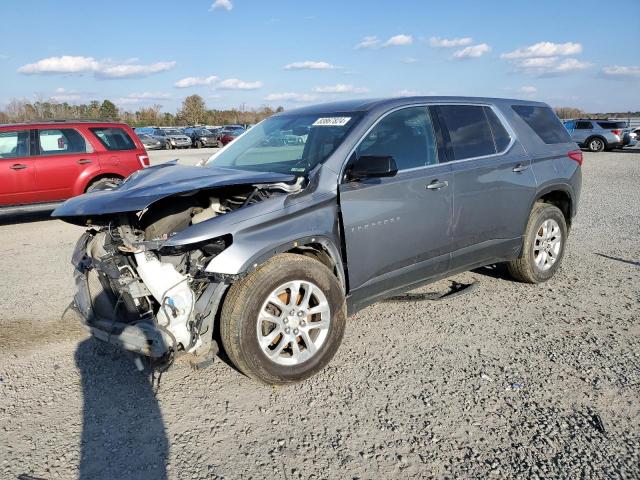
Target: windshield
x=203, y=131
x=287, y=144
x=173, y=131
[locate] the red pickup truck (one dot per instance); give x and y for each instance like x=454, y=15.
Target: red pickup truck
x=52, y=161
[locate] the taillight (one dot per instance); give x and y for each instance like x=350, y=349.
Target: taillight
x=575, y=155
x=616, y=132
x=144, y=160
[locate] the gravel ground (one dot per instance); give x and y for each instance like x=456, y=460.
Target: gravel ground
x=509, y=381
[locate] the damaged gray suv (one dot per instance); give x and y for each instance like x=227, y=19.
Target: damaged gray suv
x=269, y=245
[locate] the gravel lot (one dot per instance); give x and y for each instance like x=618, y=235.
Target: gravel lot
x=511, y=380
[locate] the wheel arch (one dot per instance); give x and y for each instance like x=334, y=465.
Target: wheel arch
x=319, y=247
x=559, y=196
x=99, y=177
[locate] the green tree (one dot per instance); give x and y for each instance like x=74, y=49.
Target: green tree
x=108, y=110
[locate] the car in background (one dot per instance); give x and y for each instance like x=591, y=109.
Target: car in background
x=237, y=128
x=174, y=138
x=598, y=135
x=201, y=137
x=52, y=161
x=150, y=143
x=226, y=136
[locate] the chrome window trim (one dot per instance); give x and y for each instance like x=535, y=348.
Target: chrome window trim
x=498, y=113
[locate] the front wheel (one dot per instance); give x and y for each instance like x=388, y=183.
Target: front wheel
x=285, y=321
x=543, y=245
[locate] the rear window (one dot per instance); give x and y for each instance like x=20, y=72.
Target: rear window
x=613, y=125
x=114, y=138
x=471, y=130
x=544, y=123
x=58, y=141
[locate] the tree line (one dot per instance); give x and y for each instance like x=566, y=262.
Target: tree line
x=193, y=111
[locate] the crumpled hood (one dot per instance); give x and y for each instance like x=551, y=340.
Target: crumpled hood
x=153, y=183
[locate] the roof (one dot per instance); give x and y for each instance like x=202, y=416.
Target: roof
x=365, y=105
x=35, y=123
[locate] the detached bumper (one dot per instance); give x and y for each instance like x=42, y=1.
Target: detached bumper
x=93, y=304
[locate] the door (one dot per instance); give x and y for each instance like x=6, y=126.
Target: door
x=64, y=157
x=581, y=131
x=17, y=168
x=397, y=230
x=494, y=184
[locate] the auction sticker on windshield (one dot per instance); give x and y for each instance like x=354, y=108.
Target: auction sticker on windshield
x=331, y=122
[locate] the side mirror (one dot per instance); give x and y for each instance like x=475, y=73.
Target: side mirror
x=372, y=166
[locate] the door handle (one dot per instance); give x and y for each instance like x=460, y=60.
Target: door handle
x=519, y=168
x=84, y=161
x=437, y=185
x=18, y=166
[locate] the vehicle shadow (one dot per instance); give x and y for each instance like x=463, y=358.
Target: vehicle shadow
x=24, y=216
x=618, y=259
x=123, y=434
x=497, y=270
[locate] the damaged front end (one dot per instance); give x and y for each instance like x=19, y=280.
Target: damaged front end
x=138, y=290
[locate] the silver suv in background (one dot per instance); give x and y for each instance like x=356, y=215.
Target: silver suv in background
x=272, y=245
x=599, y=135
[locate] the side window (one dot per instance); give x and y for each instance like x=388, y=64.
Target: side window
x=59, y=141
x=406, y=135
x=583, y=126
x=500, y=135
x=544, y=123
x=469, y=130
x=113, y=138
x=14, y=144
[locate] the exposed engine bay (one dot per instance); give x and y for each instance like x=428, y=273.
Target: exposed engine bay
x=150, y=298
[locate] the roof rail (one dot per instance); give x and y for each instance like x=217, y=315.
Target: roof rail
x=71, y=120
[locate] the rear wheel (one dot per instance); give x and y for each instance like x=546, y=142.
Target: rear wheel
x=168, y=145
x=198, y=144
x=285, y=321
x=596, y=144
x=106, y=183
x=543, y=246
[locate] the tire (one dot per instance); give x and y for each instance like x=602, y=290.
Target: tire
x=532, y=266
x=198, y=144
x=240, y=326
x=168, y=146
x=106, y=183
x=596, y=144
x=219, y=144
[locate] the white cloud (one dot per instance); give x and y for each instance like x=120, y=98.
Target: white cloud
x=368, y=42
x=473, y=51
x=549, y=66
x=406, y=93
x=221, y=5
x=398, y=40
x=236, y=84
x=450, y=43
x=340, y=88
x=68, y=64
x=544, y=49
x=310, y=65
x=528, y=90
x=141, y=98
x=409, y=60
x=375, y=42
x=621, y=72
x=195, y=81
x=150, y=95
x=290, y=97
x=129, y=70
